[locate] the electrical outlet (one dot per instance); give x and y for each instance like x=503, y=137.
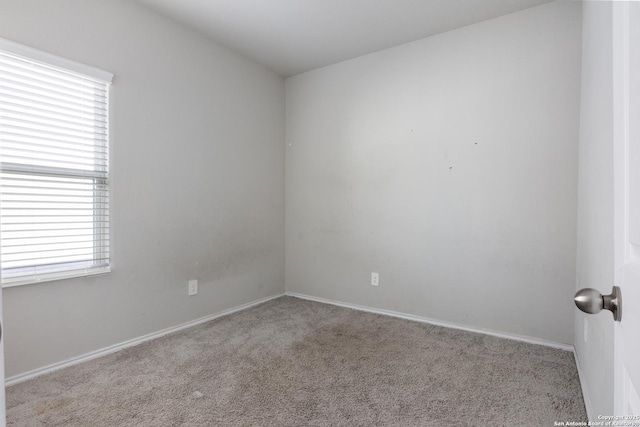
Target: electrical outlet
x=193, y=287
x=375, y=279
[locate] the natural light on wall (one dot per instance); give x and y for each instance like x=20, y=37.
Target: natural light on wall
x=54, y=153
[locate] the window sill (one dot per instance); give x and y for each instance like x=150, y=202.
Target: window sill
x=19, y=281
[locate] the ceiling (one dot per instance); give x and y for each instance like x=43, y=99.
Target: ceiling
x=293, y=36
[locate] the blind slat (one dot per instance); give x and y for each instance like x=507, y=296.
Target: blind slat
x=29, y=89
x=18, y=125
x=43, y=136
x=51, y=241
x=35, y=76
x=61, y=117
x=62, y=126
x=43, y=159
x=51, y=98
x=45, y=147
x=45, y=170
x=69, y=110
x=25, y=57
x=30, y=84
x=44, y=237
x=13, y=139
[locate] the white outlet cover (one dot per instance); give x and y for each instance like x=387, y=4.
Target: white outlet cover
x=375, y=279
x=193, y=287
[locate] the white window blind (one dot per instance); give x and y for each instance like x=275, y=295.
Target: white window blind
x=54, y=177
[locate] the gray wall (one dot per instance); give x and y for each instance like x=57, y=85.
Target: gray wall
x=449, y=166
x=595, y=262
x=197, y=167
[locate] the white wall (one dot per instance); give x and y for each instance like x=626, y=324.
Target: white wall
x=449, y=165
x=595, y=263
x=197, y=169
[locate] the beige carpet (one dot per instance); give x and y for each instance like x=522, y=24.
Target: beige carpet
x=291, y=362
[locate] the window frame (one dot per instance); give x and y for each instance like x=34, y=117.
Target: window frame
x=75, y=268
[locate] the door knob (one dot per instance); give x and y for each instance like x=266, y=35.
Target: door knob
x=591, y=301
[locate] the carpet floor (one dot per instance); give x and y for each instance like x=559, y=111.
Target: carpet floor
x=291, y=362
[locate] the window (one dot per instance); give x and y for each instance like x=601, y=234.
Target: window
x=54, y=177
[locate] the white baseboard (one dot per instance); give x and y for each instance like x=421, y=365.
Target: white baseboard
x=585, y=391
x=130, y=343
x=515, y=337
x=135, y=341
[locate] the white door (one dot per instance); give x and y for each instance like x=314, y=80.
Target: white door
x=626, y=52
x=3, y=421
x=2, y=403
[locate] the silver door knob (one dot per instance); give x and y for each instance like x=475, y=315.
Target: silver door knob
x=591, y=301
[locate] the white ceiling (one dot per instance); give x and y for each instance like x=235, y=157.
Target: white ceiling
x=293, y=36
